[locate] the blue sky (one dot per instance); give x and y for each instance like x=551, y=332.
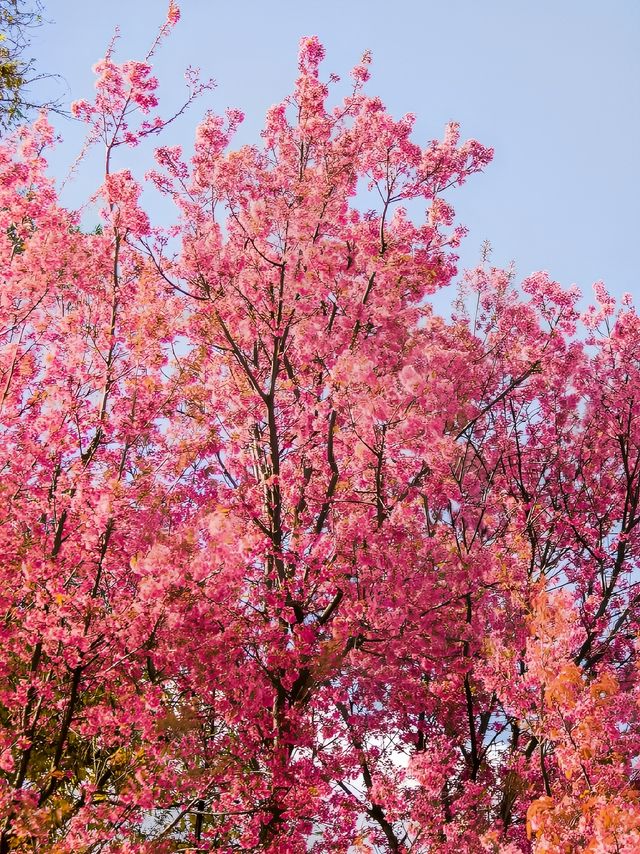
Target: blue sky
x=552, y=85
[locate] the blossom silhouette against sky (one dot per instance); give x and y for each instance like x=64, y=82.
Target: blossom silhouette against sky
x=549, y=85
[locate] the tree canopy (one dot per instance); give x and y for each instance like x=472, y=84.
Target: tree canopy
x=18, y=74
x=290, y=562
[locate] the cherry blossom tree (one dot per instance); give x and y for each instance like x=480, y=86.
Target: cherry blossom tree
x=290, y=562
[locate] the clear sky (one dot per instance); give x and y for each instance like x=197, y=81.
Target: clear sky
x=552, y=85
